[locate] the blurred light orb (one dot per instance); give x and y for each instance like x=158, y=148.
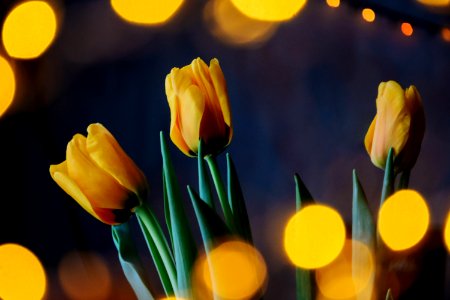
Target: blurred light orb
x=270, y=10
x=84, y=276
x=22, y=275
x=334, y=3
x=445, y=34
x=238, y=270
x=447, y=232
x=314, y=236
x=338, y=280
x=435, y=3
x=368, y=15
x=403, y=220
x=7, y=85
x=231, y=26
x=29, y=29
x=407, y=29
x=146, y=12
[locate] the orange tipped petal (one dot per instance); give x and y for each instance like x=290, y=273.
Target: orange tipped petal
x=106, y=152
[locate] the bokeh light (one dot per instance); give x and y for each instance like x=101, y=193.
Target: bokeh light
x=7, y=85
x=270, y=10
x=146, y=12
x=231, y=26
x=342, y=279
x=447, y=232
x=445, y=34
x=435, y=3
x=21, y=274
x=403, y=220
x=368, y=15
x=407, y=29
x=314, y=236
x=334, y=3
x=84, y=275
x=29, y=29
x=238, y=271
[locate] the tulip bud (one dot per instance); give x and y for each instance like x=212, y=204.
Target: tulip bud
x=398, y=124
x=199, y=107
x=100, y=176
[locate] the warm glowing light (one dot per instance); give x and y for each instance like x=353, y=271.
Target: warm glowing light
x=171, y=298
x=368, y=15
x=270, y=10
x=146, y=12
x=314, y=236
x=21, y=274
x=29, y=29
x=403, y=220
x=407, y=29
x=338, y=280
x=227, y=23
x=445, y=34
x=238, y=271
x=84, y=275
x=436, y=3
x=7, y=85
x=447, y=232
x=334, y=3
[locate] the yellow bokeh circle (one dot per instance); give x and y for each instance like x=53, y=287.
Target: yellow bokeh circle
x=403, y=220
x=270, y=10
x=447, y=232
x=21, y=274
x=7, y=85
x=368, y=15
x=146, y=12
x=29, y=29
x=314, y=236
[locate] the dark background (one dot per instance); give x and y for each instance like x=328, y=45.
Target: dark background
x=301, y=102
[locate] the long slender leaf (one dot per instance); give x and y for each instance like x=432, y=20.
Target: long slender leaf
x=237, y=202
x=363, y=230
x=159, y=248
x=204, y=185
x=303, y=278
x=184, y=246
x=389, y=177
x=166, y=209
x=220, y=189
x=130, y=261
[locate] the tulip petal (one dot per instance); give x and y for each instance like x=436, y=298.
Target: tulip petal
x=173, y=100
x=191, y=112
x=369, y=136
x=60, y=176
x=221, y=89
x=99, y=187
x=106, y=152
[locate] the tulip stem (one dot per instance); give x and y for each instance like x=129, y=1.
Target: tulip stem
x=204, y=186
x=159, y=248
x=220, y=188
x=404, y=180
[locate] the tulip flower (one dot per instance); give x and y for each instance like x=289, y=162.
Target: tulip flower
x=199, y=107
x=100, y=176
x=398, y=124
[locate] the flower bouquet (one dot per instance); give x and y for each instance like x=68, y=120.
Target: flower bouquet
x=105, y=181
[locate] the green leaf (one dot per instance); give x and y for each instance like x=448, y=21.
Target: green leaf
x=204, y=184
x=211, y=225
x=159, y=248
x=237, y=202
x=166, y=209
x=220, y=189
x=303, y=278
x=184, y=247
x=389, y=177
x=363, y=230
x=130, y=261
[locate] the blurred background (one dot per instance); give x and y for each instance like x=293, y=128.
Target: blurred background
x=302, y=93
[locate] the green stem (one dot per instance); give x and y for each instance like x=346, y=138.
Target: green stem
x=389, y=178
x=221, y=192
x=404, y=180
x=204, y=187
x=154, y=237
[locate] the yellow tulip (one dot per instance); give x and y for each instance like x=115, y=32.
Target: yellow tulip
x=199, y=107
x=100, y=176
x=398, y=124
